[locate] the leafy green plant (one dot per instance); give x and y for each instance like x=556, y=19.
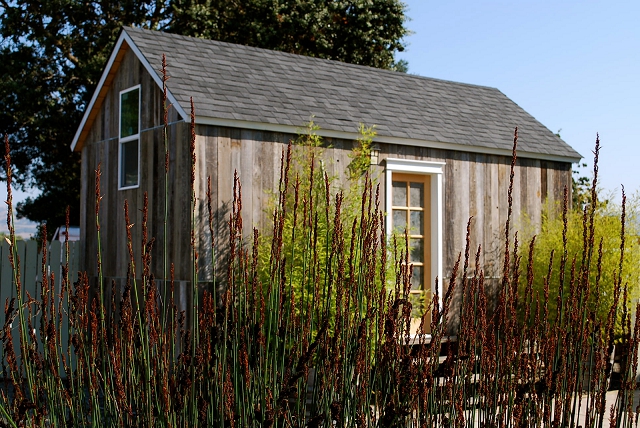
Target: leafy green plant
x=312, y=216
x=361, y=154
x=565, y=249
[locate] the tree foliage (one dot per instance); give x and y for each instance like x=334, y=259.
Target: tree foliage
x=580, y=188
x=52, y=54
x=366, y=32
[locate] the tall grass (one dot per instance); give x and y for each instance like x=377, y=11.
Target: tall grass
x=334, y=350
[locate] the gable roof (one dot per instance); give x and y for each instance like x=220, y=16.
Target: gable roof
x=241, y=86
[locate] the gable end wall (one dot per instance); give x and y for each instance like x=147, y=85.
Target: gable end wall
x=101, y=148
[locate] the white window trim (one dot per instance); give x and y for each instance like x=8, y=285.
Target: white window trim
x=130, y=137
x=435, y=170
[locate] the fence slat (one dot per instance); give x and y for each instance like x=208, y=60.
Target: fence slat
x=58, y=258
x=55, y=256
x=39, y=272
x=21, y=249
x=73, y=261
x=31, y=279
x=19, y=261
x=7, y=275
x=30, y=268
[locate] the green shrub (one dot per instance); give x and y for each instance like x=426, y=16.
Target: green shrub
x=320, y=215
x=607, y=230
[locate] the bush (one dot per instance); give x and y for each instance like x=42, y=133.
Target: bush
x=320, y=216
x=601, y=261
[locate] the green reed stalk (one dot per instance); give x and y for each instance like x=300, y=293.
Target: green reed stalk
x=165, y=217
x=194, y=255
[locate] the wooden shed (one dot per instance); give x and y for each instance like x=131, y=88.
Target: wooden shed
x=445, y=147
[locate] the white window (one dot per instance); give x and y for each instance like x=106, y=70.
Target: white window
x=129, y=139
x=414, y=204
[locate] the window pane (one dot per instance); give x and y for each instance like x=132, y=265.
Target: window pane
x=416, y=278
x=129, y=111
x=416, y=250
x=416, y=192
x=399, y=220
x=417, y=220
x=129, y=164
x=399, y=194
x=418, y=305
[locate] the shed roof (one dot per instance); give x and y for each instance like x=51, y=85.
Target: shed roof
x=235, y=85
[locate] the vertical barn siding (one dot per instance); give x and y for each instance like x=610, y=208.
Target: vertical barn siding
x=256, y=157
x=476, y=209
x=101, y=148
x=492, y=226
x=475, y=185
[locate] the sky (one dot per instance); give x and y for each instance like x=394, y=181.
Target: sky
x=23, y=227
x=573, y=65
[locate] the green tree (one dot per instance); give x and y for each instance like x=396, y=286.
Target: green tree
x=4, y=236
x=366, y=32
x=52, y=54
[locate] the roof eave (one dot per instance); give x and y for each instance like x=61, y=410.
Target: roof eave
x=124, y=41
x=328, y=133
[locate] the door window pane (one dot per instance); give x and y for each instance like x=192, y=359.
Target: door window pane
x=416, y=250
x=417, y=220
x=399, y=220
x=416, y=193
x=399, y=198
x=416, y=278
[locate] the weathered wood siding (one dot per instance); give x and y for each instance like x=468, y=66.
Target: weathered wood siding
x=101, y=148
x=256, y=157
x=475, y=185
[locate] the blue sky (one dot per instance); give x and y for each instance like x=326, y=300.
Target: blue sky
x=573, y=65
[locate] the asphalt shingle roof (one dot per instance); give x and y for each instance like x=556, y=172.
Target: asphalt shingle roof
x=264, y=86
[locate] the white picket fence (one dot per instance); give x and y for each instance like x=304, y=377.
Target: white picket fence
x=31, y=266
x=31, y=275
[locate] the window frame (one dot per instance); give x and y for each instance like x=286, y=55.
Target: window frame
x=435, y=170
x=128, y=138
x=407, y=209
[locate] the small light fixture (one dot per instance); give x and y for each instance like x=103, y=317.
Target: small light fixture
x=375, y=155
